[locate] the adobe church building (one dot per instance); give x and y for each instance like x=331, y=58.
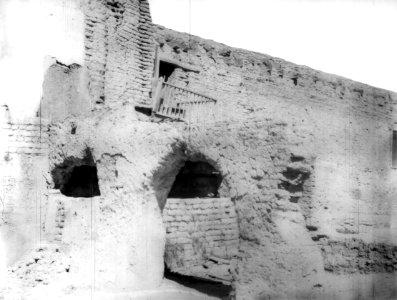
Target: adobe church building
x=142, y=163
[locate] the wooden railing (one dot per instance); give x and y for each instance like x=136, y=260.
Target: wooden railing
x=181, y=104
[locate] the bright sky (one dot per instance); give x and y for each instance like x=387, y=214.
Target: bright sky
x=356, y=39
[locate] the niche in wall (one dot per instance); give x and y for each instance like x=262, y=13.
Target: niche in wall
x=77, y=177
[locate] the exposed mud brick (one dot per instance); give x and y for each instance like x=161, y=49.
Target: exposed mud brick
x=118, y=43
x=197, y=232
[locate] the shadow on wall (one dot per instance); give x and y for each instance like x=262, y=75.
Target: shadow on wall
x=205, y=286
x=196, y=179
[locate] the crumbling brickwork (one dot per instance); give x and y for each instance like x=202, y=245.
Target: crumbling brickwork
x=252, y=157
x=338, y=132
x=23, y=163
x=200, y=230
x=29, y=139
x=356, y=256
x=119, y=51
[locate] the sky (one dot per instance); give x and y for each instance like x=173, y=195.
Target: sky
x=356, y=39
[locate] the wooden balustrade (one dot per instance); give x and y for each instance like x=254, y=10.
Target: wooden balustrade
x=182, y=104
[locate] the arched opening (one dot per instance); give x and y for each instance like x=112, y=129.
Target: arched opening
x=196, y=179
x=77, y=177
x=201, y=230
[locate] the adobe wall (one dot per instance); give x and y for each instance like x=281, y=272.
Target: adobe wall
x=119, y=51
x=252, y=157
x=136, y=169
x=117, y=66
x=305, y=159
x=341, y=128
x=345, y=124
x=23, y=163
x=281, y=253
x=50, y=29
x=202, y=237
x=89, y=56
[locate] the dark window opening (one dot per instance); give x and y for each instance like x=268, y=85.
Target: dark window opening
x=394, y=149
x=196, y=179
x=77, y=177
x=166, y=70
x=83, y=182
x=208, y=287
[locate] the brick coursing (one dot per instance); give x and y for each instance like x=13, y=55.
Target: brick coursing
x=119, y=51
x=197, y=230
x=29, y=139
